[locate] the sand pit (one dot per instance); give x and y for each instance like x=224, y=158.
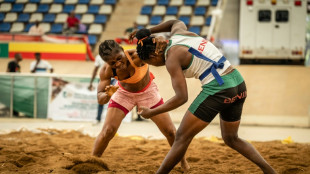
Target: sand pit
x=55, y=151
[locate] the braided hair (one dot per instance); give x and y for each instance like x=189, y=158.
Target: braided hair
x=145, y=44
x=107, y=48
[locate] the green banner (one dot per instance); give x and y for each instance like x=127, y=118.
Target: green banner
x=4, y=50
x=5, y=90
x=23, y=94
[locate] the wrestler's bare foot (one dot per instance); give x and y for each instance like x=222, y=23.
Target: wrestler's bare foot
x=184, y=165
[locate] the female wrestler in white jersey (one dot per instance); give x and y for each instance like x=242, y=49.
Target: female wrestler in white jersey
x=223, y=90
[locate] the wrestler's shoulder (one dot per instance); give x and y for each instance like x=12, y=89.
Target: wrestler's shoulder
x=106, y=70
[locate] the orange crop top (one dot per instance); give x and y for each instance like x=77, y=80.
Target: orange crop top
x=139, y=71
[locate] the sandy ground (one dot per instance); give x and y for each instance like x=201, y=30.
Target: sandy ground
x=53, y=151
x=43, y=146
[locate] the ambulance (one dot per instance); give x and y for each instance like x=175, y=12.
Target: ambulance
x=272, y=29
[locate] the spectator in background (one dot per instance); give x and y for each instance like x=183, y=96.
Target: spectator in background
x=98, y=64
x=72, y=25
x=13, y=65
x=36, y=29
x=124, y=39
x=39, y=65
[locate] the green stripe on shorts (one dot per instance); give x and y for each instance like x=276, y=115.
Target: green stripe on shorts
x=230, y=80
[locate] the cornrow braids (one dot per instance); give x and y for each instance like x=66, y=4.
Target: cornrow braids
x=145, y=44
x=107, y=47
x=143, y=33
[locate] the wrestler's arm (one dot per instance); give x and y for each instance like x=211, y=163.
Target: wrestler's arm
x=172, y=26
x=105, y=79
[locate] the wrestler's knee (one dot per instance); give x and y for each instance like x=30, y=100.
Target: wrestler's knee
x=181, y=137
x=108, y=132
x=230, y=140
x=170, y=132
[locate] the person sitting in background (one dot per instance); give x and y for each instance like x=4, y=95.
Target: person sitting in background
x=124, y=39
x=36, y=29
x=72, y=24
x=13, y=65
x=39, y=65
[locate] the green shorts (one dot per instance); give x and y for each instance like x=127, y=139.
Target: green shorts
x=227, y=99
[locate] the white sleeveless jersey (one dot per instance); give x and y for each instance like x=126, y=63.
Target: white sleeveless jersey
x=198, y=65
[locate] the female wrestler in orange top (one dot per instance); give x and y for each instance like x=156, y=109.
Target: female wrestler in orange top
x=135, y=88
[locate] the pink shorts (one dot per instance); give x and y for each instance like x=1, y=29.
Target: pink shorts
x=125, y=100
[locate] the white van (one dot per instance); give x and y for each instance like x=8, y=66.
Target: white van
x=272, y=29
